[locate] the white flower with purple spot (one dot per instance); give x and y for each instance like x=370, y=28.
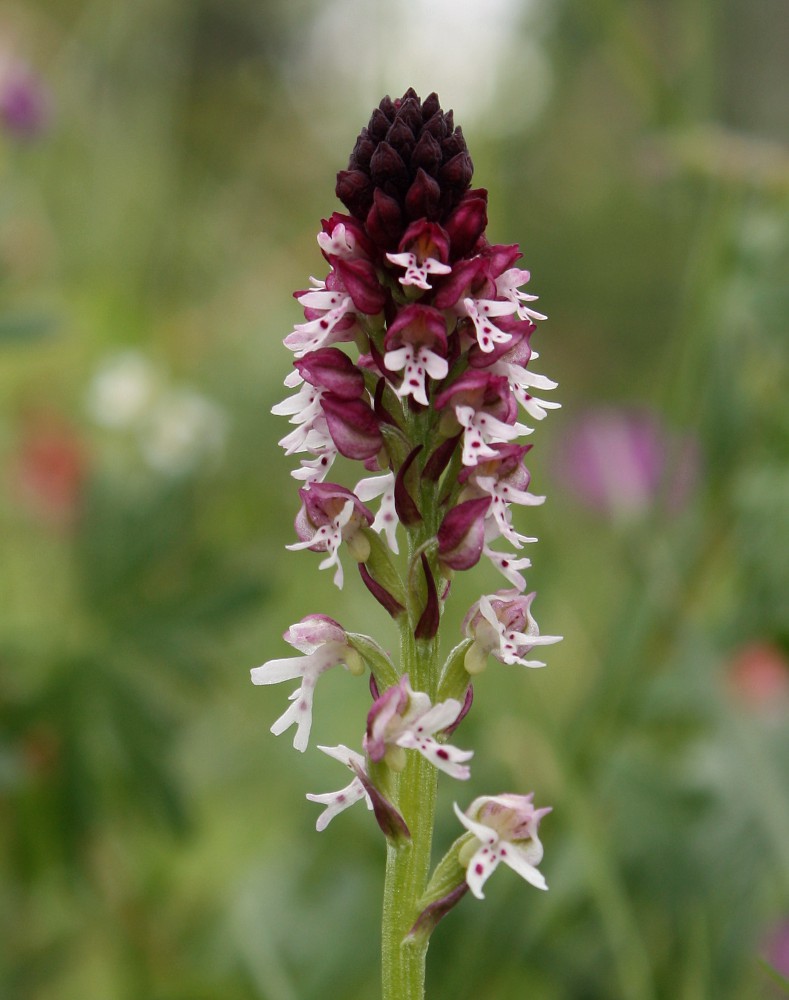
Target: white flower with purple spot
x=416, y=270
x=386, y=519
x=507, y=285
x=504, y=828
x=337, y=802
x=501, y=625
x=404, y=719
x=323, y=644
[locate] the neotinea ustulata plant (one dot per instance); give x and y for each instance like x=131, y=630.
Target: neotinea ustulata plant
x=414, y=361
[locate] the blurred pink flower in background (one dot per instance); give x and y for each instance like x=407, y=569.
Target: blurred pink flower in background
x=49, y=468
x=25, y=103
x=624, y=462
x=758, y=679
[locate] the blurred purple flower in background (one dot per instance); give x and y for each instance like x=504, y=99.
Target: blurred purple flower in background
x=24, y=99
x=776, y=948
x=623, y=462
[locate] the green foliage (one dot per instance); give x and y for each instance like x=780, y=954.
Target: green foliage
x=153, y=837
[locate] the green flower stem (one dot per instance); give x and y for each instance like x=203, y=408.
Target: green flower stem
x=408, y=865
x=407, y=871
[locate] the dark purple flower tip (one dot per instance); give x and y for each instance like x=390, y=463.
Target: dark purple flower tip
x=468, y=222
x=392, y=824
x=468, y=278
x=361, y=281
x=412, y=153
x=355, y=191
x=353, y=426
x=384, y=221
x=467, y=703
x=407, y=510
x=423, y=198
x=428, y=623
x=440, y=459
x=329, y=368
x=461, y=536
x=434, y=912
x=387, y=601
x=387, y=169
x=418, y=325
x=426, y=154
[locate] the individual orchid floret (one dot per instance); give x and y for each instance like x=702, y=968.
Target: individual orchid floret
x=337, y=802
x=501, y=625
x=424, y=250
x=512, y=366
x=507, y=285
x=329, y=515
x=404, y=719
x=504, y=479
x=331, y=318
x=386, y=518
x=388, y=818
x=416, y=344
x=504, y=828
x=343, y=237
x=323, y=643
x=483, y=406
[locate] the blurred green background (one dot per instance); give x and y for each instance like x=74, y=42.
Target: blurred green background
x=165, y=165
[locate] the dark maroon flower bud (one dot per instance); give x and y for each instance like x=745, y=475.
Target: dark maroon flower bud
x=388, y=818
x=468, y=222
x=469, y=278
x=361, y=283
x=427, y=153
x=355, y=191
x=440, y=459
x=423, y=198
x=428, y=623
x=388, y=170
x=385, y=599
x=434, y=912
x=328, y=368
x=461, y=536
x=353, y=426
x=457, y=172
x=407, y=510
x=385, y=219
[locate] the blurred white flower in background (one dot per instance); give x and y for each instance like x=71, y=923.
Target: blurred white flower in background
x=175, y=428
x=485, y=59
x=122, y=390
